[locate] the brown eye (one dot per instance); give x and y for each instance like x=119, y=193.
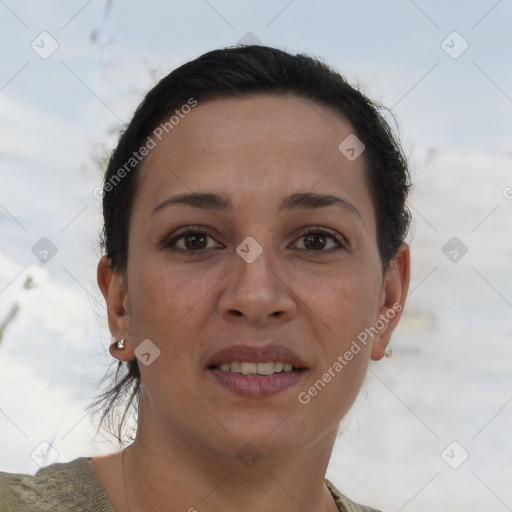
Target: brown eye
x=320, y=240
x=192, y=241
x=315, y=242
x=195, y=241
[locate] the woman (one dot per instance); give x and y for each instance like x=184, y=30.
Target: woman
x=254, y=262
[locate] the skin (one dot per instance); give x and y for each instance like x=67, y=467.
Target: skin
x=316, y=301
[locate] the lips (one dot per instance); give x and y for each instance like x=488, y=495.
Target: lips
x=256, y=371
x=245, y=353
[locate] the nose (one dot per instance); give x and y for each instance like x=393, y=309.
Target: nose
x=257, y=293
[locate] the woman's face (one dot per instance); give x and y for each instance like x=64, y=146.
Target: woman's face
x=253, y=240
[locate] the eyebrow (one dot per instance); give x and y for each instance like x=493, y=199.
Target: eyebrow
x=220, y=202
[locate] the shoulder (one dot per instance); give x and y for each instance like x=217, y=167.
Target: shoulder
x=58, y=487
x=345, y=504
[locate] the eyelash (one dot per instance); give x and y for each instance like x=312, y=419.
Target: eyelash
x=195, y=230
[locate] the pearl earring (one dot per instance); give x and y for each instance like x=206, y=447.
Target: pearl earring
x=120, y=344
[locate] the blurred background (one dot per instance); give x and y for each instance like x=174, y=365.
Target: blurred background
x=432, y=426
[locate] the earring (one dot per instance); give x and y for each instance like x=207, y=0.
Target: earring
x=388, y=352
x=120, y=344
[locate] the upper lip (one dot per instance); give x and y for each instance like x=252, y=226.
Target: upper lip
x=261, y=354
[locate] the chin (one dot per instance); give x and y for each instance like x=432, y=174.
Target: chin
x=269, y=432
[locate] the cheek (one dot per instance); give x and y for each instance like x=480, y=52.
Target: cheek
x=343, y=301
x=167, y=301
x=334, y=384
x=164, y=309
x=340, y=305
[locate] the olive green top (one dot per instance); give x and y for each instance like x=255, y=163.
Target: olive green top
x=73, y=486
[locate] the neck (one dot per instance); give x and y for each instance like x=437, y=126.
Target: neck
x=160, y=470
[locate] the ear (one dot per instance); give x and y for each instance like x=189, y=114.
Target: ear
x=114, y=288
x=394, y=293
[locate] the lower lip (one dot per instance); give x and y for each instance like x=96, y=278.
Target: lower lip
x=251, y=385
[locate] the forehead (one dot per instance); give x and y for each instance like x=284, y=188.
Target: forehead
x=260, y=145
x=312, y=130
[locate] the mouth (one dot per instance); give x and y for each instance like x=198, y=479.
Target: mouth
x=261, y=369
x=256, y=371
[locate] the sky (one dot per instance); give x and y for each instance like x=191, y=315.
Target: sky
x=71, y=75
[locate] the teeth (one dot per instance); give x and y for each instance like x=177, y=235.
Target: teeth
x=248, y=368
x=266, y=368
